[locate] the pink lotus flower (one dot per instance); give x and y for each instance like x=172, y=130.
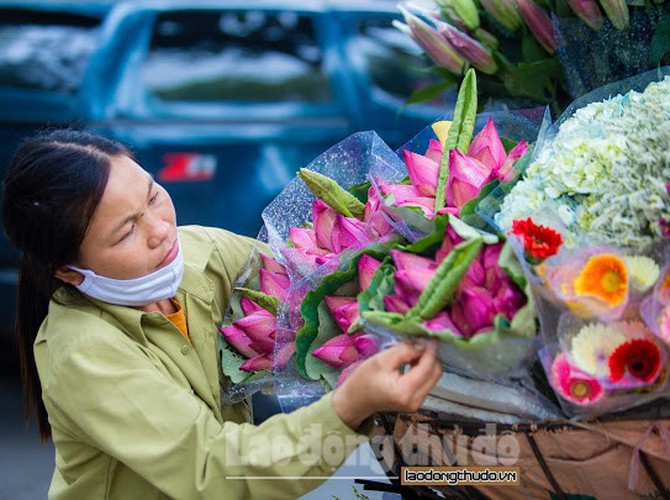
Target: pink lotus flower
x=377, y=223
x=487, y=160
x=473, y=311
x=323, y=218
x=489, y=150
x=423, y=173
x=366, y=344
x=258, y=363
x=338, y=352
x=239, y=341
x=406, y=196
x=367, y=267
x=274, y=284
x=283, y=355
x=573, y=384
x=442, y=322
x=451, y=239
x=249, y=306
x=270, y=264
x=467, y=176
x=508, y=300
x=347, y=233
x=260, y=327
x=344, y=310
x=412, y=276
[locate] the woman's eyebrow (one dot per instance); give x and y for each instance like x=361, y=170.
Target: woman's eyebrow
x=134, y=216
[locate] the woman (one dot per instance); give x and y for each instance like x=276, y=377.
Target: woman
x=117, y=320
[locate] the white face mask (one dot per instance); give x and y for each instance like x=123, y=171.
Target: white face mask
x=159, y=285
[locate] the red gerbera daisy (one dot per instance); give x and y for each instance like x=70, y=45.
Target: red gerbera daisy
x=539, y=242
x=641, y=358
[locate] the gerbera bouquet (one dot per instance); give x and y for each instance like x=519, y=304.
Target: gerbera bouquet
x=589, y=219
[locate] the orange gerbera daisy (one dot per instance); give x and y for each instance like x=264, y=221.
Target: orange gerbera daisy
x=604, y=276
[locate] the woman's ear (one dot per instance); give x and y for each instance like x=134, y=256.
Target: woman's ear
x=69, y=275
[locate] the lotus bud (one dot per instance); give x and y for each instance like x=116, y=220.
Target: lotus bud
x=257, y=364
x=367, y=266
x=338, y=352
x=239, y=341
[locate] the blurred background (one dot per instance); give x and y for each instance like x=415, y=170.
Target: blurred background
x=221, y=100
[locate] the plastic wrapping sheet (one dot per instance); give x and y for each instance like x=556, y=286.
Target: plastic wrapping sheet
x=611, y=54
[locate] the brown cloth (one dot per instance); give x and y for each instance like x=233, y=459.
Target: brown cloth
x=594, y=459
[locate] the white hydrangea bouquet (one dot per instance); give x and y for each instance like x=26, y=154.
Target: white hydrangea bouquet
x=605, y=173
x=591, y=216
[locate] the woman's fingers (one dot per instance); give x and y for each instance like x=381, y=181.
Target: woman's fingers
x=399, y=355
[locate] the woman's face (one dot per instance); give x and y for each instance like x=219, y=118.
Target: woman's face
x=133, y=231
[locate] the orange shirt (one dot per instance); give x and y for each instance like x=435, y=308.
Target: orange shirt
x=178, y=318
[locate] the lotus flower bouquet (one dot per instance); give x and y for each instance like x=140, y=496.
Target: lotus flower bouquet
x=247, y=340
x=455, y=172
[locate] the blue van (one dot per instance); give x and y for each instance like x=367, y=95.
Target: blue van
x=221, y=100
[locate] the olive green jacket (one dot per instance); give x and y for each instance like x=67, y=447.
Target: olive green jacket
x=136, y=410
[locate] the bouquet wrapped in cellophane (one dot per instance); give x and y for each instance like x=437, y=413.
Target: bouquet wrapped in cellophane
x=590, y=218
x=378, y=247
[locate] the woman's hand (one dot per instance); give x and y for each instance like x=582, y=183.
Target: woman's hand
x=377, y=384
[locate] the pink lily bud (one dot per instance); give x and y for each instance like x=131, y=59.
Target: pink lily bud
x=587, y=11
x=344, y=310
x=423, y=173
x=434, y=44
x=410, y=261
x=466, y=178
x=442, y=322
x=367, y=267
x=324, y=219
x=617, y=12
x=366, y=344
x=473, y=311
x=503, y=11
x=239, y=341
x=249, y=306
x=506, y=172
x=470, y=49
x=257, y=364
x=261, y=328
x=274, y=284
x=338, y=352
x=539, y=23
x=488, y=148
x=270, y=264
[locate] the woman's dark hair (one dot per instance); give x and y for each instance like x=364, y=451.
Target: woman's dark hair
x=54, y=184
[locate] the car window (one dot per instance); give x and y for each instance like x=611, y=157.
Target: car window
x=392, y=59
x=235, y=56
x=45, y=50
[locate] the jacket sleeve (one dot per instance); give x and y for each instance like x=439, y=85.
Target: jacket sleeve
x=105, y=391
